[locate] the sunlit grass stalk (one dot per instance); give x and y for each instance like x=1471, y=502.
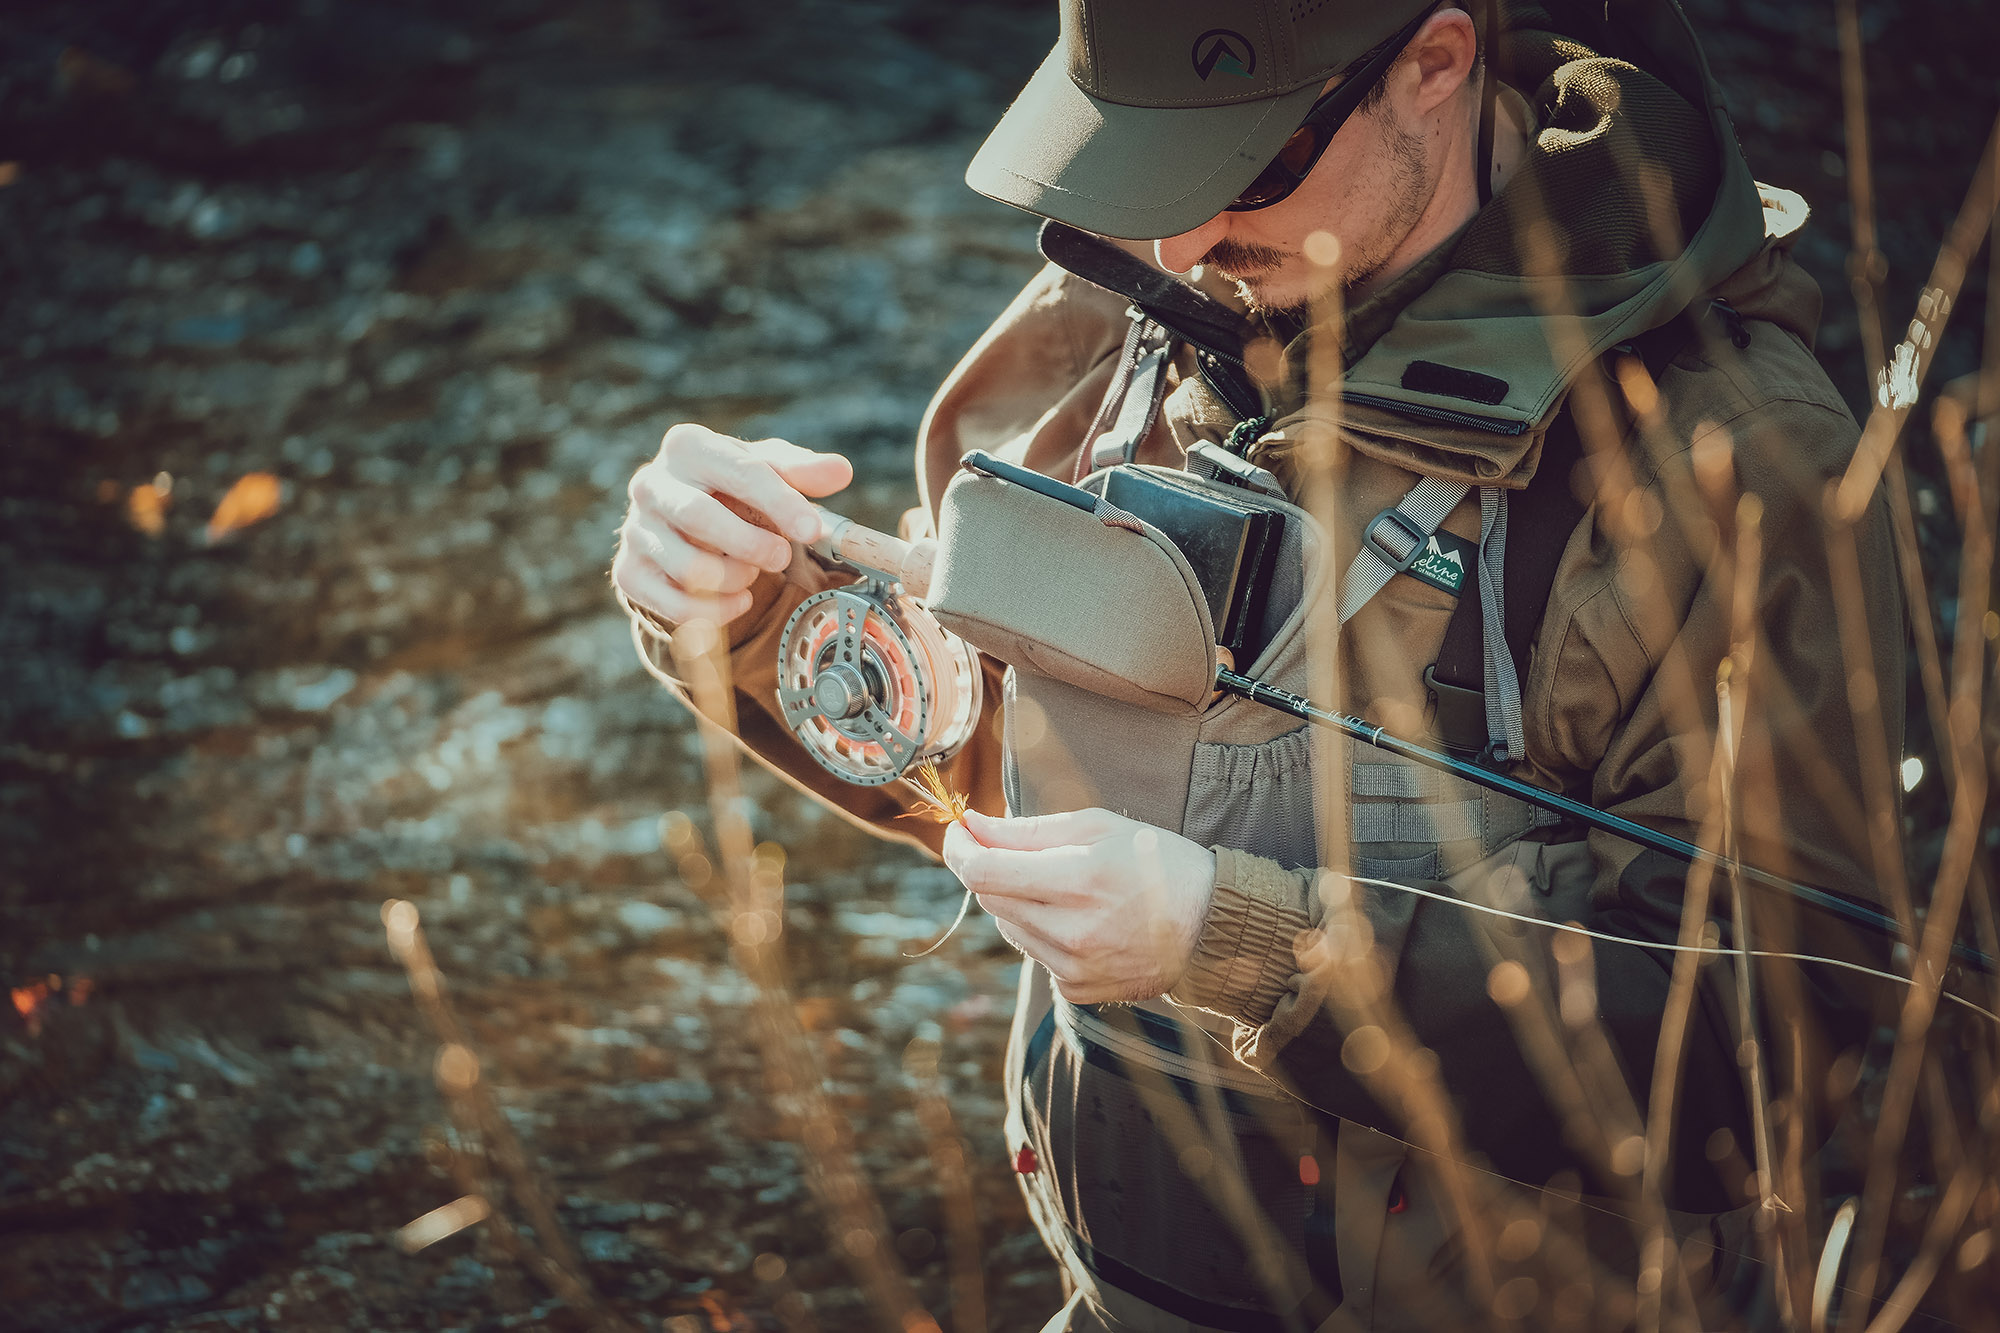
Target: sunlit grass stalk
x=1949, y=1215
x=1866, y=268
x=1622, y=508
x=1962, y=837
x=1663, y=1103
x=1898, y=393
x=856, y=1224
x=964, y=1250
x=1866, y=265
x=1733, y=704
x=1421, y=1102
x=551, y=1258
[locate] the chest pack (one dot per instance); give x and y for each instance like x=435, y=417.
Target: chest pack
x=1167, y=1175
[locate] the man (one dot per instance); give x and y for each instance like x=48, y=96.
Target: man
x=1504, y=263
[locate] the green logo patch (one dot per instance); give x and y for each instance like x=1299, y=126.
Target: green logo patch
x=1445, y=561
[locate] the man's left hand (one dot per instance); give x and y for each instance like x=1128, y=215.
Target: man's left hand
x=1109, y=905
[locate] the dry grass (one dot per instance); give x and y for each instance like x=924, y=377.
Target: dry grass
x=1866, y=1266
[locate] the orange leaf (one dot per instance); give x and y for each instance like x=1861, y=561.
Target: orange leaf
x=146, y=509
x=28, y=1004
x=252, y=499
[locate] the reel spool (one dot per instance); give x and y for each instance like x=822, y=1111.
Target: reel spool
x=868, y=681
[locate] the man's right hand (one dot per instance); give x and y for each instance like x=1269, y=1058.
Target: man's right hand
x=704, y=519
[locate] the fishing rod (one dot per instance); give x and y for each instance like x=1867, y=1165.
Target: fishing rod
x=871, y=685
x=1590, y=816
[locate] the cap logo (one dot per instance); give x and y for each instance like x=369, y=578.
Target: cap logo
x=1224, y=51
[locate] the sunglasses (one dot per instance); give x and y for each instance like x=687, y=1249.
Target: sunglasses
x=1309, y=141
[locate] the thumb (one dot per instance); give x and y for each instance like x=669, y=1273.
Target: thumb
x=1033, y=833
x=807, y=471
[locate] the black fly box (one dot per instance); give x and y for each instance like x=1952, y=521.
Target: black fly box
x=1231, y=547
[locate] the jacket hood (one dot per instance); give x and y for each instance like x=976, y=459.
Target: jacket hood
x=1632, y=200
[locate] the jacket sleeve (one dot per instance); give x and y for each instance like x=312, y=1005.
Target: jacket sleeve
x=1627, y=657
x=1027, y=391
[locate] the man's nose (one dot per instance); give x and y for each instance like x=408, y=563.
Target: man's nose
x=1178, y=254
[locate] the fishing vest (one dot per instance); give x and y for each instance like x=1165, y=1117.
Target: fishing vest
x=1178, y=1187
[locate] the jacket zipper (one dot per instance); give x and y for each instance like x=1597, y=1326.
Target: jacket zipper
x=1445, y=415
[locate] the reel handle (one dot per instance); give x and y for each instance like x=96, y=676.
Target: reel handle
x=846, y=542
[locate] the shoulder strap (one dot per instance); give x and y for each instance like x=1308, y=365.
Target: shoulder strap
x=1395, y=539
x=1543, y=515
x=1132, y=399
x=1540, y=519
x=1216, y=332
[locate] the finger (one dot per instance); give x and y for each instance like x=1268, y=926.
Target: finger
x=692, y=568
x=708, y=522
x=663, y=499
x=645, y=586
x=808, y=471
x=1025, y=936
x=756, y=483
x=973, y=863
x=1037, y=832
x=1051, y=875
x=959, y=847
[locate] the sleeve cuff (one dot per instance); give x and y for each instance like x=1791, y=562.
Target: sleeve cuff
x=1246, y=954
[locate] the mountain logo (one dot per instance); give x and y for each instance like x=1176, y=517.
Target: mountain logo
x=1439, y=566
x=1224, y=50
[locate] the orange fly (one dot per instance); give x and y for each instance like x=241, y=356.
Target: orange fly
x=938, y=802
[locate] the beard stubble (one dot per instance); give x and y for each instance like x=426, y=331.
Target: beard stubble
x=1243, y=262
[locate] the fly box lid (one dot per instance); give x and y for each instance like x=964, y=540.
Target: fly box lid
x=1231, y=547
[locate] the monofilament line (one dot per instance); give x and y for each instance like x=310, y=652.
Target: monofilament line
x=1574, y=929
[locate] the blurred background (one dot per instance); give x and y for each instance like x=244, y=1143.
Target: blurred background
x=330, y=331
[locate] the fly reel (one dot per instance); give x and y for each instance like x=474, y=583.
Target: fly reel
x=868, y=681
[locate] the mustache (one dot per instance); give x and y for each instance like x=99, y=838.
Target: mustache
x=1237, y=259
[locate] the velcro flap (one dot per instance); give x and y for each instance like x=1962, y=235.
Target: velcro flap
x=1048, y=588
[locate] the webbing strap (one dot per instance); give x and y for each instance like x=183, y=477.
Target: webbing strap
x=1405, y=781
x=1417, y=821
x=1400, y=869
x=1538, y=523
x=1395, y=538
x=1503, y=686
x=1132, y=399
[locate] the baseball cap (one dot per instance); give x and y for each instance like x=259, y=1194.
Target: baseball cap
x=1150, y=116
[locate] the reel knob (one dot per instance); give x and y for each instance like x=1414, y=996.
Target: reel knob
x=840, y=692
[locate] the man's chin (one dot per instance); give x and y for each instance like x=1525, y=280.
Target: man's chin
x=1274, y=298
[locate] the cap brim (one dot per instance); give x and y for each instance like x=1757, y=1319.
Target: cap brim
x=1133, y=172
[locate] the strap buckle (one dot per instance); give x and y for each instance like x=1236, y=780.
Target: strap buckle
x=1413, y=536
x=1458, y=715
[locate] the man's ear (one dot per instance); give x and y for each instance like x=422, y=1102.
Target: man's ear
x=1438, y=60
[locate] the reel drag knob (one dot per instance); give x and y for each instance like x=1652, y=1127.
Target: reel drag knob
x=840, y=692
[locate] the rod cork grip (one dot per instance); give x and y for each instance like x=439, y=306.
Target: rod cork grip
x=848, y=543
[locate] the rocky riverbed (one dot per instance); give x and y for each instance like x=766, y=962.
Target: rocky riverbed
x=434, y=278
